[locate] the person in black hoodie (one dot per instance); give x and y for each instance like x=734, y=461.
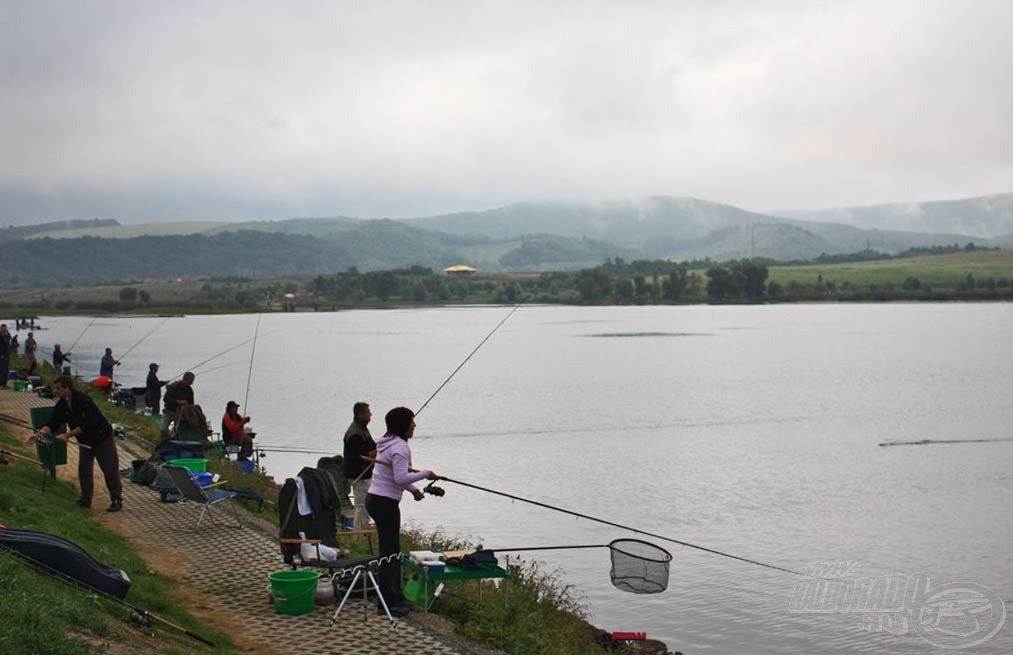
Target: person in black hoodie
x=94, y=435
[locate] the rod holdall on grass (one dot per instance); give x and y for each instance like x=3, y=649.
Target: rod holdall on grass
x=67, y=558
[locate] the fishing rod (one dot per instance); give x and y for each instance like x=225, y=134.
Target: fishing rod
x=597, y=520
x=461, y=365
x=145, y=337
x=209, y=359
x=4, y=454
x=82, y=334
x=249, y=374
x=21, y=423
x=218, y=368
x=142, y=614
x=284, y=449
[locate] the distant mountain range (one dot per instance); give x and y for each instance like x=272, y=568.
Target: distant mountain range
x=528, y=236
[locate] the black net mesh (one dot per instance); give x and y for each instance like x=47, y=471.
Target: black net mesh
x=639, y=567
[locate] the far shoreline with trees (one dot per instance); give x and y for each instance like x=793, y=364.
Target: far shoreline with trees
x=952, y=273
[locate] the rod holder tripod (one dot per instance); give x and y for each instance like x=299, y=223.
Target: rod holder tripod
x=367, y=580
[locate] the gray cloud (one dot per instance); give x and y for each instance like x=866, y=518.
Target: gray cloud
x=232, y=110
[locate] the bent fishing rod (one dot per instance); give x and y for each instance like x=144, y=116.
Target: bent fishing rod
x=598, y=520
x=141, y=613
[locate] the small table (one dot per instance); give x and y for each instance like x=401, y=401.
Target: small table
x=418, y=587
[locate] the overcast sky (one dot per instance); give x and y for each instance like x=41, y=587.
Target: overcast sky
x=148, y=110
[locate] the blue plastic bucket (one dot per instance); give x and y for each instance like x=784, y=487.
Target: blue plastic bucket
x=202, y=479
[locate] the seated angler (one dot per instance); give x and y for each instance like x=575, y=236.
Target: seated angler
x=234, y=430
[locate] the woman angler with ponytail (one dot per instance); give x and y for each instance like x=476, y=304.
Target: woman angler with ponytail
x=382, y=501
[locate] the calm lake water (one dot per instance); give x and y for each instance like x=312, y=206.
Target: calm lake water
x=749, y=430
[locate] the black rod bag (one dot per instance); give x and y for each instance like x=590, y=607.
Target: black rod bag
x=56, y=554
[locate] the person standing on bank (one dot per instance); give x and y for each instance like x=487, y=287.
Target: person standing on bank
x=177, y=395
x=95, y=436
x=153, y=389
x=390, y=480
x=107, y=363
x=30, y=347
x=5, y=355
x=359, y=442
x=59, y=357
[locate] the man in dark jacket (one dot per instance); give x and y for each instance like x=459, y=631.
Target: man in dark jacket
x=359, y=442
x=153, y=389
x=177, y=395
x=94, y=435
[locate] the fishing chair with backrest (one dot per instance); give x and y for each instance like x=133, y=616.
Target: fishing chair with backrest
x=205, y=498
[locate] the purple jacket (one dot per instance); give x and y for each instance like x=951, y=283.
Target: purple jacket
x=392, y=481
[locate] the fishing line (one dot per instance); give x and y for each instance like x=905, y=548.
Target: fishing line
x=603, y=521
x=516, y=307
x=144, y=337
x=249, y=374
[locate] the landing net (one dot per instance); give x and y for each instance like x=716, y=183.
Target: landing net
x=639, y=567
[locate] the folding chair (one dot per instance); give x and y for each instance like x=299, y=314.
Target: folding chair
x=207, y=499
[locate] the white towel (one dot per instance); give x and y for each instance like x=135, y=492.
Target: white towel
x=301, y=501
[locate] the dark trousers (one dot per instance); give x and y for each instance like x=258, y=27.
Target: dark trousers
x=104, y=452
x=245, y=444
x=387, y=515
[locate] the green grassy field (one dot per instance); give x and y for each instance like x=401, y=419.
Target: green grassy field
x=945, y=271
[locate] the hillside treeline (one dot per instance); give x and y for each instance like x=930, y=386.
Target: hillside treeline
x=50, y=262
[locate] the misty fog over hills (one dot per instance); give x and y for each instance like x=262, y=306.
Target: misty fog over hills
x=987, y=216
x=521, y=237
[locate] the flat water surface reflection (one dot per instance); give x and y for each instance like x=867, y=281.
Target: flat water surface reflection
x=749, y=430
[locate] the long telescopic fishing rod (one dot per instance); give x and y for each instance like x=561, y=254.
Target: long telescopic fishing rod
x=249, y=374
x=621, y=526
x=143, y=614
x=449, y=377
x=293, y=449
x=598, y=520
x=81, y=335
x=210, y=359
x=145, y=337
